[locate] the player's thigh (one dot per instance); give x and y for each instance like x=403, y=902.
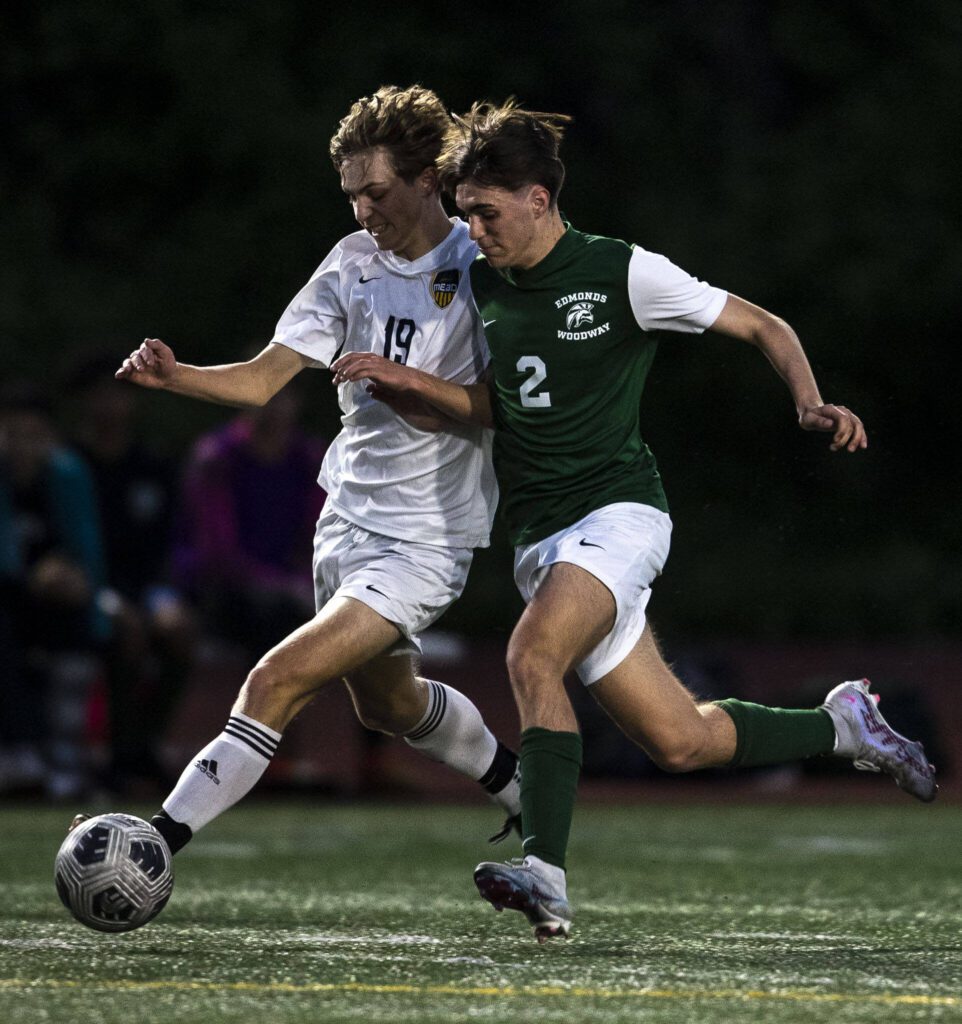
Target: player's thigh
x=387, y=693
x=649, y=703
x=623, y=546
x=568, y=615
x=344, y=635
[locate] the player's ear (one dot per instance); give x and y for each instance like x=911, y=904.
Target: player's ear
x=427, y=181
x=540, y=199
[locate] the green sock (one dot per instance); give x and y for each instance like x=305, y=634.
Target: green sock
x=550, y=765
x=774, y=735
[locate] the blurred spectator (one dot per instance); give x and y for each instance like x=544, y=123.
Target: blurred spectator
x=149, y=658
x=51, y=623
x=250, y=503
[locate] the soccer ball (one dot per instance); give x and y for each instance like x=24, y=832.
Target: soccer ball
x=113, y=872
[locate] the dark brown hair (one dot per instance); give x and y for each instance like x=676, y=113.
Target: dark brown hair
x=409, y=123
x=504, y=147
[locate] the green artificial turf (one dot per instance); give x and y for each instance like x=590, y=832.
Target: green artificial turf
x=295, y=913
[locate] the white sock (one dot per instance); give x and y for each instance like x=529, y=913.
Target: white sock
x=226, y=770
x=452, y=731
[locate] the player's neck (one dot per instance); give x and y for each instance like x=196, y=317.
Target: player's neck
x=547, y=235
x=433, y=227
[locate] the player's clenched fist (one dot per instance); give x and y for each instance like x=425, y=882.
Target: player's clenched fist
x=152, y=365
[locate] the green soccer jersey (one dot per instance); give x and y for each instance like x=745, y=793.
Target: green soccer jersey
x=571, y=347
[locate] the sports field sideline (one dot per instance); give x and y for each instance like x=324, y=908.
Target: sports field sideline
x=302, y=913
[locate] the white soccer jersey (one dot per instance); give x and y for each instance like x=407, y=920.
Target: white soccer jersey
x=381, y=473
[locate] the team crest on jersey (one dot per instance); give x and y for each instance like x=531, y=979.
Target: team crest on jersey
x=580, y=311
x=444, y=286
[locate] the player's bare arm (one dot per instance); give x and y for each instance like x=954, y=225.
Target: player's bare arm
x=467, y=403
x=769, y=333
x=412, y=409
x=247, y=384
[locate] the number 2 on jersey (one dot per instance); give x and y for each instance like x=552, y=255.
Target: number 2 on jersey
x=538, y=374
x=397, y=337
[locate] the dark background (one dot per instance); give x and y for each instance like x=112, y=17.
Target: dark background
x=164, y=172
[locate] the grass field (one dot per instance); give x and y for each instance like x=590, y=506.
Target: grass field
x=295, y=913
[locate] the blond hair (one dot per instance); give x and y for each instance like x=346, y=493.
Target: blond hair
x=409, y=123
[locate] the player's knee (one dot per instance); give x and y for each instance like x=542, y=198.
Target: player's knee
x=532, y=669
x=379, y=718
x=376, y=720
x=269, y=686
x=678, y=754
x=391, y=713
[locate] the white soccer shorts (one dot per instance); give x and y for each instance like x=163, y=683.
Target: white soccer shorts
x=625, y=546
x=408, y=584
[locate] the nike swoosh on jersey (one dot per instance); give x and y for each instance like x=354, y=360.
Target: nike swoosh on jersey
x=587, y=544
x=488, y=323
x=364, y=280
x=376, y=591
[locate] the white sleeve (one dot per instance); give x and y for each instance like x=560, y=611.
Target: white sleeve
x=314, y=323
x=665, y=297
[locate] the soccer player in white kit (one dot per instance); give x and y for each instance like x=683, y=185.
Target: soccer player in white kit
x=407, y=502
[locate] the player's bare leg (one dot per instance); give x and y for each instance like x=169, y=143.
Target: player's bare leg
x=344, y=638
x=343, y=635
x=439, y=722
x=655, y=710
x=387, y=694
x=570, y=613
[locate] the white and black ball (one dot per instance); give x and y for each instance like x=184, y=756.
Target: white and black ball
x=114, y=872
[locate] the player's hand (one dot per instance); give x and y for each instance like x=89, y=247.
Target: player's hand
x=846, y=428
x=385, y=373
x=151, y=366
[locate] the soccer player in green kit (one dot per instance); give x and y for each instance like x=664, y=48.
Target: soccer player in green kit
x=568, y=319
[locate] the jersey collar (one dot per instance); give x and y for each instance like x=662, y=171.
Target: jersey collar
x=432, y=260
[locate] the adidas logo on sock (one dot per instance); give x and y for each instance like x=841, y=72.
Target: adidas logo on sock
x=209, y=768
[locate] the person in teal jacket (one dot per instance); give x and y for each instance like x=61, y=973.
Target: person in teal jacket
x=52, y=623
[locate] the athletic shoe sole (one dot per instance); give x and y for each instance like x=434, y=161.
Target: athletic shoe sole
x=502, y=893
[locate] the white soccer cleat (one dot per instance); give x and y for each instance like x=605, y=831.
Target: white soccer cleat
x=873, y=745
x=525, y=885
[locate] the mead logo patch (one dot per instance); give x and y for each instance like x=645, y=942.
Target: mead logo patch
x=580, y=312
x=444, y=286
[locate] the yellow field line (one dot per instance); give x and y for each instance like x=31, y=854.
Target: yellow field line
x=536, y=991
